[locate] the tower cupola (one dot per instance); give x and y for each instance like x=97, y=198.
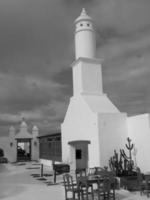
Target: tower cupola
x=35, y=131
x=85, y=44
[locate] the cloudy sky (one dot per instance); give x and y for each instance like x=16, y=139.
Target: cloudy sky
x=37, y=49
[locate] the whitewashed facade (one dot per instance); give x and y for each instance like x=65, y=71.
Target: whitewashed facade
x=10, y=143
x=93, y=127
x=139, y=132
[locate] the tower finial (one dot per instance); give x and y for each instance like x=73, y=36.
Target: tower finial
x=83, y=12
x=23, y=118
x=83, y=16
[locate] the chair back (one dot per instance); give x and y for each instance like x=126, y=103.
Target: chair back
x=140, y=176
x=68, y=182
x=80, y=172
x=147, y=178
x=105, y=173
x=101, y=172
x=82, y=181
x=98, y=169
x=92, y=171
x=104, y=185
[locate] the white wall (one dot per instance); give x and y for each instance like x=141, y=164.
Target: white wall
x=139, y=132
x=35, y=149
x=87, y=76
x=9, y=151
x=80, y=124
x=112, y=135
x=105, y=131
x=88, y=111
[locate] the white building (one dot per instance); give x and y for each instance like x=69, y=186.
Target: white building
x=93, y=127
x=22, y=145
x=139, y=132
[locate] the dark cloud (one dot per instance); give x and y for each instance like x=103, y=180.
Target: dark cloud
x=33, y=36
x=25, y=93
x=129, y=91
x=37, y=49
x=64, y=76
x=79, y=3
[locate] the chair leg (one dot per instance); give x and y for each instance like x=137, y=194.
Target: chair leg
x=78, y=194
x=114, y=195
x=73, y=195
x=92, y=192
x=82, y=194
x=66, y=194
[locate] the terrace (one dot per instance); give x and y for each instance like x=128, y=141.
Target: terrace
x=22, y=181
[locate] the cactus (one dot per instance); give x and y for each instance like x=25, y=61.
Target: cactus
x=115, y=164
x=128, y=162
x=124, y=163
x=129, y=147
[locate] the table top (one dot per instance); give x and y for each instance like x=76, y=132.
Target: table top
x=90, y=179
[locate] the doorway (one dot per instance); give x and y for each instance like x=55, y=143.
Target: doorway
x=80, y=153
x=23, y=149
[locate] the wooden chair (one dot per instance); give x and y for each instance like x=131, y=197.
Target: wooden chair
x=81, y=174
x=113, y=184
x=141, y=181
x=144, y=184
x=70, y=187
x=106, y=188
x=86, y=188
x=147, y=185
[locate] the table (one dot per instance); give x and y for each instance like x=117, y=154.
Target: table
x=104, y=186
x=85, y=185
x=60, y=169
x=89, y=181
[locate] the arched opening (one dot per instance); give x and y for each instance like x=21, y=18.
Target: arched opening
x=23, y=149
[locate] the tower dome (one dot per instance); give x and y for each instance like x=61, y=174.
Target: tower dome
x=83, y=16
x=35, y=128
x=23, y=124
x=35, y=131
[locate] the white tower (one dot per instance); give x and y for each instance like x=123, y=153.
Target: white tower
x=87, y=73
x=85, y=45
x=93, y=125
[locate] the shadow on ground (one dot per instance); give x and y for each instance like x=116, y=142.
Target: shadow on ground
x=11, y=191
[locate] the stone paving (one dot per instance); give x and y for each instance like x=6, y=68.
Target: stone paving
x=20, y=181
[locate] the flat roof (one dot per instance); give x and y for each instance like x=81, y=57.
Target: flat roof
x=74, y=142
x=49, y=135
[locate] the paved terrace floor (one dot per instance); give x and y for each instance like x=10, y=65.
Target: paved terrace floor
x=20, y=181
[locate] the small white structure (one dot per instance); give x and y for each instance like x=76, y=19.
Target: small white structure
x=139, y=132
x=22, y=145
x=93, y=127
